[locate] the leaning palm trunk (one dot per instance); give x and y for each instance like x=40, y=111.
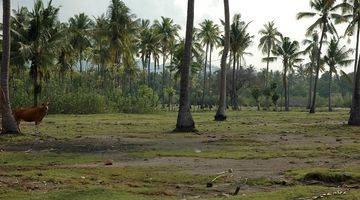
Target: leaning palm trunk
x=205, y=78
x=9, y=124
x=185, y=122
x=220, y=114
x=313, y=105
x=330, y=80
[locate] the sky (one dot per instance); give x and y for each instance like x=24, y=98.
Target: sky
x=258, y=12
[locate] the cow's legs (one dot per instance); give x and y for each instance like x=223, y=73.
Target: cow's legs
x=37, y=128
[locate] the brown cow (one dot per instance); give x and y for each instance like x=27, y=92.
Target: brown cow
x=33, y=114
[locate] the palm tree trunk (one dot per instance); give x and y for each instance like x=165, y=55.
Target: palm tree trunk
x=9, y=125
x=238, y=64
x=205, y=78
x=330, y=80
x=285, y=84
x=210, y=72
x=356, y=5
x=357, y=47
x=354, y=119
x=185, y=122
x=220, y=114
x=234, y=99
x=288, y=90
x=35, y=83
x=149, y=70
x=80, y=61
x=267, y=68
x=313, y=105
x=286, y=101
x=163, y=80
x=310, y=89
x=267, y=101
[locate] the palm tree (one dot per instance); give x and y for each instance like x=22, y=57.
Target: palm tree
x=168, y=32
x=220, y=114
x=66, y=58
x=122, y=29
x=240, y=40
x=324, y=10
x=209, y=35
x=80, y=27
x=335, y=57
x=312, y=48
x=289, y=52
x=101, y=46
x=351, y=13
x=39, y=42
x=185, y=122
x=270, y=37
x=9, y=125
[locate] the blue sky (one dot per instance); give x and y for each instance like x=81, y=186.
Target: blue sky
x=259, y=12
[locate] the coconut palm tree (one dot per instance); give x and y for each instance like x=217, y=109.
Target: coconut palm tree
x=220, y=114
x=289, y=52
x=121, y=27
x=9, y=125
x=168, y=32
x=80, y=28
x=185, y=122
x=66, y=58
x=240, y=41
x=270, y=37
x=311, y=48
x=209, y=35
x=39, y=42
x=101, y=45
x=336, y=56
x=324, y=11
x=351, y=14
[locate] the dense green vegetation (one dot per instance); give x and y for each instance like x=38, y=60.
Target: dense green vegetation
x=107, y=62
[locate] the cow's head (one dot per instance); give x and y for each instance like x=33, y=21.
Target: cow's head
x=45, y=106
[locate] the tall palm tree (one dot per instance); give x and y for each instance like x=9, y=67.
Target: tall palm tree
x=270, y=37
x=324, y=11
x=220, y=114
x=336, y=56
x=80, y=27
x=101, y=45
x=9, y=124
x=289, y=52
x=209, y=35
x=168, y=32
x=240, y=40
x=351, y=14
x=121, y=30
x=39, y=42
x=311, y=48
x=66, y=58
x=185, y=122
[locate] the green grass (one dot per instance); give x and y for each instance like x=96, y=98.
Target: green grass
x=67, y=160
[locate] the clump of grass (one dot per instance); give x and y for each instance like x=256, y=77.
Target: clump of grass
x=334, y=178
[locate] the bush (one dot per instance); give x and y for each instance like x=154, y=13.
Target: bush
x=145, y=100
x=78, y=103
